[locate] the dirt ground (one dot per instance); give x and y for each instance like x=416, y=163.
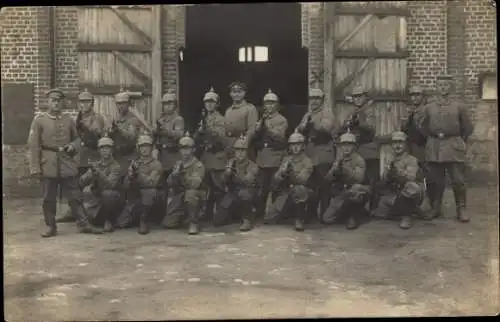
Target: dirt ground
x=437, y=268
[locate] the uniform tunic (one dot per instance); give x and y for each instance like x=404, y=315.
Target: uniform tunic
x=238, y=119
x=170, y=129
x=214, y=157
x=415, y=138
x=93, y=125
x=125, y=137
x=273, y=136
x=324, y=123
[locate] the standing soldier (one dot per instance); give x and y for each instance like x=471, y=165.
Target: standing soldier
x=186, y=182
x=291, y=184
x=403, y=180
x=142, y=179
x=349, y=194
x=364, y=131
x=90, y=126
x=102, y=181
x=211, y=137
x=447, y=125
x=240, y=180
x=240, y=116
x=318, y=125
x=53, y=141
x=270, y=135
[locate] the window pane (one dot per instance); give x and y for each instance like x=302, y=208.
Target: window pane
x=249, y=53
x=241, y=54
x=261, y=53
x=181, y=55
x=489, y=87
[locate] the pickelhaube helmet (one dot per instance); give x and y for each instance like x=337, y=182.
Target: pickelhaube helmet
x=348, y=138
x=186, y=141
x=105, y=141
x=270, y=97
x=296, y=137
x=415, y=89
x=398, y=136
x=316, y=92
x=144, y=139
x=358, y=90
x=85, y=96
x=241, y=143
x=122, y=97
x=170, y=96
x=211, y=95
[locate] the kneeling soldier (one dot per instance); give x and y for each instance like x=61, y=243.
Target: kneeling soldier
x=101, y=181
x=240, y=177
x=349, y=195
x=403, y=182
x=142, y=181
x=291, y=184
x=185, y=181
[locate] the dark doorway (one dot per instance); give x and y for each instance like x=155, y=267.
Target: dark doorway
x=228, y=42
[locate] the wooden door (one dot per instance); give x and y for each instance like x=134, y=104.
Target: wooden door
x=115, y=49
x=369, y=49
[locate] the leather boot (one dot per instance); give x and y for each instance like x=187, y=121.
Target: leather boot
x=406, y=222
x=460, y=201
x=143, y=215
x=248, y=215
x=82, y=221
x=436, y=207
x=352, y=219
x=68, y=217
x=108, y=226
x=193, y=220
x=300, y=214
x=51, y=224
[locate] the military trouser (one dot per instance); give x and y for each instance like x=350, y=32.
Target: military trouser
x=286, y=205
x=238, y=202
x=372, y=177
x=346, y=203
x=159, y=208
x=215, y=183
x=436, y=181
x=401, y=202
x=266, y=176
x=69, y=216
x=321, y=196
x=73, y=194
x=138, y=207
x=183, y=203
x=111, y=204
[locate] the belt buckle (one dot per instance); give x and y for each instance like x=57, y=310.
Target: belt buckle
x=82, y=144
x=291, y=186
x=229, y=134
x=265, y=144
x=164, y=146
x=440, y=135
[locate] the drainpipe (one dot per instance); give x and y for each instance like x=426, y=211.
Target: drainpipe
x=52, y=45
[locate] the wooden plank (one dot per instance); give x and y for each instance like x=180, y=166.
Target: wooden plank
x=353, y=32
x=123, y=7
x=132, y=48
x=348, y=80
x=157, y=63
x=379, y=97
x=133, y=26
x=329, y=54
x=145, y=78
x=372, y=54
x=362, y=11
x=114, y=89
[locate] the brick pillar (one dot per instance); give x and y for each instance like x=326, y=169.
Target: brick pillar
x=316, y=42
x=456, y=44
x=44, y=65
x=173, y=39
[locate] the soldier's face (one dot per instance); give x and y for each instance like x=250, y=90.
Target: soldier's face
x=358, y=100
x=315, y=102
x=398, y=147
x=210, y=105
x=237, y=94
x=443, y=86
x=168, y=107
x=145, y=150
x=240, y=154
x=347, y=149
x=85, y=106
x=186, y=153
x=105, y=152
x=55, y=103
x=122, y=107
x=296, y=148
x=270, y=107
x=416, y=98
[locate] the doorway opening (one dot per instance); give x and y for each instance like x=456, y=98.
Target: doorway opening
x=256, y=43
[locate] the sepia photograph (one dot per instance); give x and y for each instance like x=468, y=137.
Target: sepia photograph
x=251, y=160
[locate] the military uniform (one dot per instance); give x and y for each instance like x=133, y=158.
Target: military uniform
x=53, y=140
x=318, y=126
x=404, y=186
x=142, y=182
x=348, y=193
x=291, y=184
x=211, y=137
x=241, y=181
x=447, y=125
x=188, y=194
x=102, y=195
x=270, y=139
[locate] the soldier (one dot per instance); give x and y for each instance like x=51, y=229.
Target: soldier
x=186, y=182
x=53, y=141
x=269, y=134
x=210, y=136
x=349, y=194
x=447, y=125
x=318, y=125
x=403, y=181
x=102, y=183
x=291, y=184
x=240, y=180
x=364, y=131
x=90, y=127
x=169, y=129
x=240, y=116
x=142, y=180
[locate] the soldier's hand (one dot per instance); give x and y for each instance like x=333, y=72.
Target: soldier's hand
x=258, y=126
x=36, y=174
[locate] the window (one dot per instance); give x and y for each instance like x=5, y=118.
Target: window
x=181, y=55
x=488, y=86
x=253, y=54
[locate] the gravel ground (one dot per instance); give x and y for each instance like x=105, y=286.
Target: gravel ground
x=438, y=268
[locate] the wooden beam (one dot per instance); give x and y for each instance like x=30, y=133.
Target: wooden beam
x=147, y=40
x=378, y=11
x=157, y=62
x=113, y=89
x=329, y=55
x=123, y=7
x=372, y=54
x=131, y=48
x=145, y=78
x=381, y=97
x=354, y=31
x=349, y=79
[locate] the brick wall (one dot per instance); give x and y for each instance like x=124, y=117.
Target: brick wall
x=173, y=40
x=315, y=42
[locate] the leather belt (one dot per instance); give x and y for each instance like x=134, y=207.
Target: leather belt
x=441, y=135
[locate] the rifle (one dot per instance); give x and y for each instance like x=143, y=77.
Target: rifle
x=230, y=179
x=353, y=117
x=258, y=135
x=200, y=132
x=88, y=137
x=308, y=127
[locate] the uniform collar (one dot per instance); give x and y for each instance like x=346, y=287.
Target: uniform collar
x=243, y=162
x=106, y=161
x=146, y=160
x=319, y=109
x=122, y=118
x=236, y=106
x=190, y=162
x=401, y=156
x=54, y=116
